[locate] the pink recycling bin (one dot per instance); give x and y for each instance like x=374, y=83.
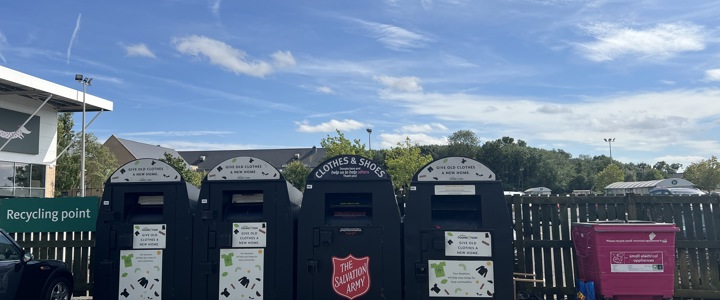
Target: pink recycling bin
x=627, y=260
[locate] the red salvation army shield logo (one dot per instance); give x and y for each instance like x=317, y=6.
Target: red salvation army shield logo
x=351, y=276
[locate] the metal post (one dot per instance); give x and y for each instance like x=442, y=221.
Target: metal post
x=369, y=131
x=609, y=141
x=82, y=161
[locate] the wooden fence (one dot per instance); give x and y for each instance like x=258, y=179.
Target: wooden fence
x=543, y=228
x=542, y=241
x=71, y=247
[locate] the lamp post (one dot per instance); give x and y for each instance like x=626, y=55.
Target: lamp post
x=85, y=81
x=369, y=131
x=610, y=141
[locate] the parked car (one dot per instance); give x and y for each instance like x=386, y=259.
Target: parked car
x=23, y=277
x=676, y=191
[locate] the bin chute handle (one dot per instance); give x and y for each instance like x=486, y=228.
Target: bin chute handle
x=581, y=243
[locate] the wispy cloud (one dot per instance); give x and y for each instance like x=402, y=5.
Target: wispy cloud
x=3, y=42
x=660, y=42
x=215, y=7
x=330, y=126
x=227, y=57
x=324, y=90
x=432, y=127
x=403, y=84
x=394, y=37
x=139, y=50
x=712, y=75
x=72, y=39
x=636, y=119
x=177, y=133
x=389, y=140
x=457, y=61
x=282, y=59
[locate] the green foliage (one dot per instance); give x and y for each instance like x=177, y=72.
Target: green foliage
x=609, y=175
x=99, y=161
x=191, y=176
x=704, y=174
x=340, y=145
x=403, y=161
x=463, y=143
x=296, y=173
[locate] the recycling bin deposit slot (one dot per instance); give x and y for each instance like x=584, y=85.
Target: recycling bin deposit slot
x=245, y=233
x=348, y=209
x=144, y=208
x=457, y=233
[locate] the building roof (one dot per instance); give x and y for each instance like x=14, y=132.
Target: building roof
x=143, y=150
x=279, y=158
x=672, y=182
x=23, y=87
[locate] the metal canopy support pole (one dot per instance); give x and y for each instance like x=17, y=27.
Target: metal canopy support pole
x=70, y=144
x=28, y=119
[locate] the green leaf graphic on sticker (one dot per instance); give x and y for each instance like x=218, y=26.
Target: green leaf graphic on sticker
x=449, y=234
x=124, y=275
x=258, y=267
x=234, y=159
x=224, y=274
x=458, y=290
x=137, y=227
x=463, y=266
x=445, y=161
x=236, y=225
x=444, y=281
x=137, y=162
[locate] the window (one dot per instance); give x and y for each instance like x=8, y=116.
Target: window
x=7, y=249
x=21, y=180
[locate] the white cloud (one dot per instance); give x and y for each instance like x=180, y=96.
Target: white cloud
x=643, y=121
x=388, y=140
x=139, y=50
x=222, y=54
x=330, y=126
x=324, y=90
x=404, y=84
x=659, y=42
x=457, y=61
x=432, y=127
x=72, y=38
x=283, y=59
x=215, y=7
x=3, y=42
x=712, y=75
x=394, y=37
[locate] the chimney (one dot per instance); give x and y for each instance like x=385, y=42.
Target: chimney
x=297, y=156
x=202, y=157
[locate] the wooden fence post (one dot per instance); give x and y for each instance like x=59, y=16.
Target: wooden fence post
x=631, y=206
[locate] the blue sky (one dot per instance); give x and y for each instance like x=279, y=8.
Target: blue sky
x=559, y=74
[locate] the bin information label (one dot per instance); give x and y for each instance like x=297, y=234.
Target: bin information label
x=466, y=243
x=149, y=236
x=636, y=261
x=146, y=170
x=140, y=274
x=455, y=169
x=454, y=190
x=249, y=235
x=242, y=274
x=243, y=168
x=461, y=278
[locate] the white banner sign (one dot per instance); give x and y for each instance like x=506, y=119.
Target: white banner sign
x=242, y=274
x=461, y=278
x=243, y=168
x=140, y=274
x=146, y=170
x=149, y=236
x=467, y=243
x=249, y=235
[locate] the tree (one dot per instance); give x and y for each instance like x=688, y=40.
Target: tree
x=609, y=175
x=402, y=162
x=193, y=177
x=340, y=145
x=463, y=143
x=296, y=173
x=99, y=161
x=704, y=174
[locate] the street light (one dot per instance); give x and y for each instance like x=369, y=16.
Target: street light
x=85, y=81
x=369, y=131
x=610, y=141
